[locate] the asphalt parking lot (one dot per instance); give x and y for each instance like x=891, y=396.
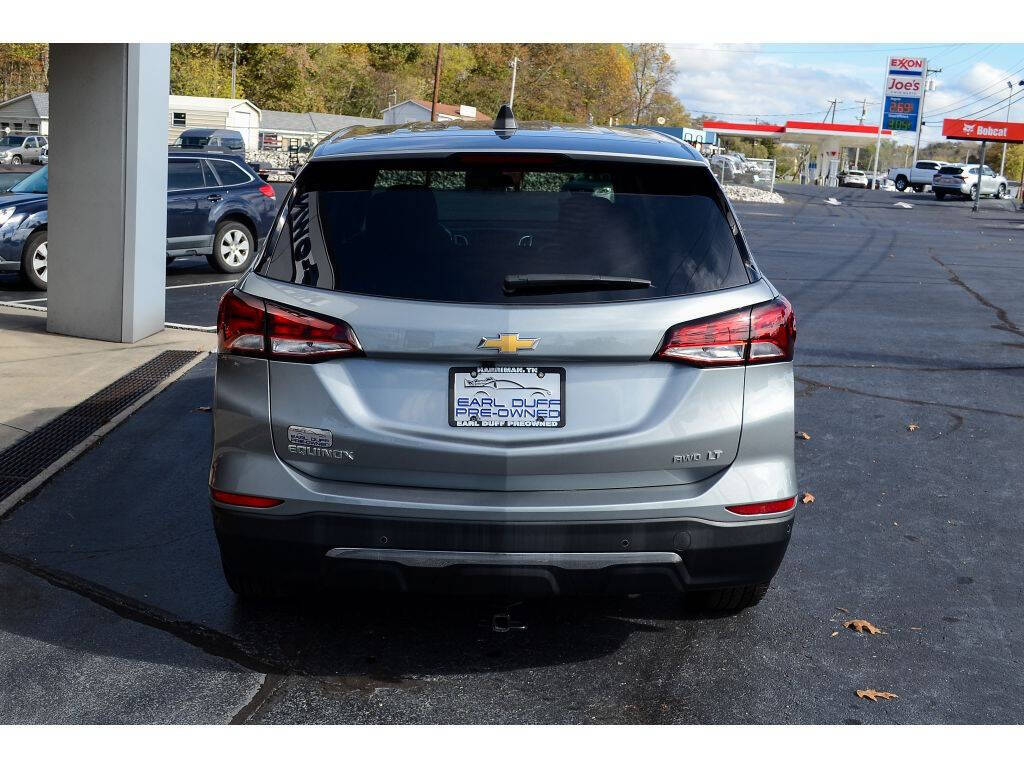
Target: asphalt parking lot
x=114, y=608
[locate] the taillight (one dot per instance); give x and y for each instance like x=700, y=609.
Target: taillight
x=762, y=334
x=243, y=499
x=241, y=324
x=297, y=336
x=250, y=326
x=764, y=507
x=772, y=332
x=267, y=190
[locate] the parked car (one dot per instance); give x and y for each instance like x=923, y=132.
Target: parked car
x=12, y=174
x=853, y=178
x=220, y=140
x=216, y=141
x=726, y=168
x=917, y=178
x=216, y=207
x=351, y=443
x=16, y=149
x=963, y=180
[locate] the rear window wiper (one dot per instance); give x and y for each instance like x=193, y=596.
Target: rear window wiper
x=539, y=283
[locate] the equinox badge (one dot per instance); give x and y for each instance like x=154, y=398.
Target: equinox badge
x=507, y=343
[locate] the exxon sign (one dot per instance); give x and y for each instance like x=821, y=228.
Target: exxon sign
x=904, y=65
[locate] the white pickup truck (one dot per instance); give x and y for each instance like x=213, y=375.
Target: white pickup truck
x=918, y=178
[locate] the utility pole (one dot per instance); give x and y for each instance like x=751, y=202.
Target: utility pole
x=863, y=114
x=1009, y=99
x=234, y=69
x=832, y=108
x=515, y=68
x=437, y=85
x=920, y=117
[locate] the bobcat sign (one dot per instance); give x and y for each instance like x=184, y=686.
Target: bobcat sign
x=983, y=130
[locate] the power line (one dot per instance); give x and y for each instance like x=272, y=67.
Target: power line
x=792, y=52
x=968, y=100
x=693, y=108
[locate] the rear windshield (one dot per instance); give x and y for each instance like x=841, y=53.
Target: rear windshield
x=456, y=230
x=951, y=170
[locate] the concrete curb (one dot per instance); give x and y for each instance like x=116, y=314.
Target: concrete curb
x=39, y=480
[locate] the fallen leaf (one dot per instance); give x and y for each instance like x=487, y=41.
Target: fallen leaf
x=871, y=693
x=862, y=626
x=918, y=629
x=913, y=427
x=803, y=436
x=834, y=634
x=807, y=498
x=202, y=409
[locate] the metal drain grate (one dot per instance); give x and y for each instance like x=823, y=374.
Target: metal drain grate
x=32, y=454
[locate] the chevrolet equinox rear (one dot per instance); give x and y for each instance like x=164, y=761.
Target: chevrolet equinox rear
x=515, y=359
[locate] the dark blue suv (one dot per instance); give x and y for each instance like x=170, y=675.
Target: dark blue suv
x=216, y=207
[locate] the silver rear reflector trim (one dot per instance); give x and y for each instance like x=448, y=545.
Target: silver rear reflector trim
x=576, y=561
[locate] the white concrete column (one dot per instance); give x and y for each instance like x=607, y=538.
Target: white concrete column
x=108, y=190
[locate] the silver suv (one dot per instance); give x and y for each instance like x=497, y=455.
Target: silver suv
x=531, y=359
x=16, y=149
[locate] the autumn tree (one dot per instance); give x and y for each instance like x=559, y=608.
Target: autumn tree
x=653, y=75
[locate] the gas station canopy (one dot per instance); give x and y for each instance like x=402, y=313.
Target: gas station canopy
x=799, y=132
x=828, y=139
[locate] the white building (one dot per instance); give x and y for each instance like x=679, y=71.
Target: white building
x=206, y=112
x=28, y=113
x=418, y=111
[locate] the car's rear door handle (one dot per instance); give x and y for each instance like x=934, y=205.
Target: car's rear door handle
x=215, y=198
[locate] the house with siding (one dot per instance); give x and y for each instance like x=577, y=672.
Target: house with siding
x=418, y=111
x=206, y=112
x=28, y=113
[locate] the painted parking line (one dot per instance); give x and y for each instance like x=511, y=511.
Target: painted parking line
x=182, y=326
x=27, y=301
x=18, y=305
x=185, y=327
x=201, y=285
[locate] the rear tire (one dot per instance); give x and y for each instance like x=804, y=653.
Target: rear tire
x=974, y=192
x=234, y=246
x=901, y=183
x=1001, y=192
x=35, y=263
x=919, y=187
x=940, y=195
x=728, y=599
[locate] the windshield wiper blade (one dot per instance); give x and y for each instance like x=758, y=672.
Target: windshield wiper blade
x=538, y=283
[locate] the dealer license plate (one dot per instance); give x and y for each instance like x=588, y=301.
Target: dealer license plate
x=506, y=396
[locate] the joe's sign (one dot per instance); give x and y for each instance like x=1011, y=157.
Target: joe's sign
x=983, y=130
x=904, y=92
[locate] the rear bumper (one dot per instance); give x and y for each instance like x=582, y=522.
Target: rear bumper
x=413, y=554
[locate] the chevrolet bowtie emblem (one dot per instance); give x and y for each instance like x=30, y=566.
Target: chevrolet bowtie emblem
x=507, y=343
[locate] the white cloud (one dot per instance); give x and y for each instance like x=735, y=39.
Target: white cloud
x=735, y=84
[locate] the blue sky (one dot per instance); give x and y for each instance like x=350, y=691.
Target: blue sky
x=794, y=81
